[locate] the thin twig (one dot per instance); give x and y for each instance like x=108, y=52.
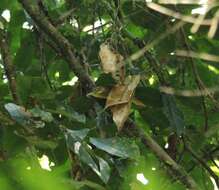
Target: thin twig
x=201, y=18
x=156, y=41
x=189, y=93
x=208, y=155
x=177, y=15
x=192, y=54
x=199, y=82
x=186, y=2
x=214, y=25
x=43, y=61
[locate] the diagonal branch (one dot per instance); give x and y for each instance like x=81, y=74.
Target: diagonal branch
x=66, y=47
x=8, y=66
x=177, y=15
x=176, y=170
x=135, y=56
x=203, y=163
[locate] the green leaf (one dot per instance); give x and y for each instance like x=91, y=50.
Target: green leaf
x=84, y=183
x=74, y=141
x=202, y=177
x=69, y=113
x=39, y=142
x=85, y=157
x=63, y=92
x=60, y=67
x=173, y=114
x=194, y=103
x=149, y=96
x=77, y=117
x=26, y=53
x=29, y=86
x=82, y=104
x=104, y=169
x=141, y=15
x=45, y=116
x=3, y=90
x=105, y=80
x=24, y=87
x=23, y=116
x=121, y=147
x=15, y=28
x=136, y=31
x=18, y=113
x=151, y=115
x=77, y=135
x=38, y=124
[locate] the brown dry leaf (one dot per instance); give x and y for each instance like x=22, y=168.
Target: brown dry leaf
x=111, y=61
x=122, y=93
x=120, y=114
x=117, y=96
x=120, y=98
x=108, y=59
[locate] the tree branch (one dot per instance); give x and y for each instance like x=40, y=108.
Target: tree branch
x=202, y=162
x=176, y=170
x=8, y=66
x=66, y=47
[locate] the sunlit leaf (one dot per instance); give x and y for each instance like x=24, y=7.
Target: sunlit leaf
x=104, y=169
x=85, y=157
x=136, y=31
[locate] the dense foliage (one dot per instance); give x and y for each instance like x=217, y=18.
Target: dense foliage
x=108, y=94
